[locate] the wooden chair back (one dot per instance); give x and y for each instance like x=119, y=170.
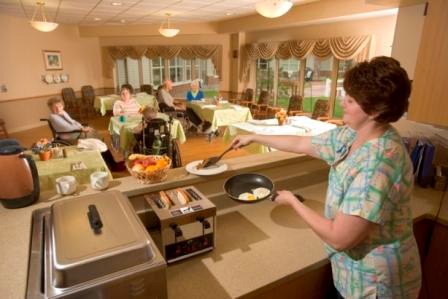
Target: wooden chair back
x=295, y=104
x=321, y=109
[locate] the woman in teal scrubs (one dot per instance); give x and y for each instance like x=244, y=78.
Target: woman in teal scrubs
x=367, y=227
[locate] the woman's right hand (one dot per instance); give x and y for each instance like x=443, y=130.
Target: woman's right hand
x=242, y=140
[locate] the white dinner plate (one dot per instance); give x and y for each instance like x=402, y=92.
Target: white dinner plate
x=214, y=169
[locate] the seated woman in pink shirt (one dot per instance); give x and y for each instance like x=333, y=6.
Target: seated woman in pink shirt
x=126, y=105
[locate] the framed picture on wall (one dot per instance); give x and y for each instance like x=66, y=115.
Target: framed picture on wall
x=52, y=60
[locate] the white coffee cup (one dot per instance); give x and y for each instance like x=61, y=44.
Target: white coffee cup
x=66, y=185
x=99, y=180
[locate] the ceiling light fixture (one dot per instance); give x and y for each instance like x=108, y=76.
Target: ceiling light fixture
x=273, y=8
x=116, y=3
x=41, y=24
x=165, y=28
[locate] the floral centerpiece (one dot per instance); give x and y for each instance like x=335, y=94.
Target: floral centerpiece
x=43, y=148
x=281, y=116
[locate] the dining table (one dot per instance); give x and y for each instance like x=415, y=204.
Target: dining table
x=295, y=125
x=106, y=102
x=121, y=130
x=221, y=113
x=80, y=163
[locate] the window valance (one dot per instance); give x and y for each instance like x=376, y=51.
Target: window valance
x=112, y=53
x=343, y=48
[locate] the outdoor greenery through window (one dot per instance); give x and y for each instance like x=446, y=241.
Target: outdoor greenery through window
x=317, y=81
x=285, y=82
x=288, y=80
x=344, y=65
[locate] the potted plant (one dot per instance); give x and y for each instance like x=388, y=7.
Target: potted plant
x=43, y=148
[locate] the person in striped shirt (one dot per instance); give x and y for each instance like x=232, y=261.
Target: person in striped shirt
x=126, y=105
x=368, y=226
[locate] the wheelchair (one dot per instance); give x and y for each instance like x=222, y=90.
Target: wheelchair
x=62, y=142
x=169, y=146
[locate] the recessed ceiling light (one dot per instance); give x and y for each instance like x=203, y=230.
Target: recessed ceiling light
x=116, y=3
x=123, y=21
x=229, y=13
x=97, y=19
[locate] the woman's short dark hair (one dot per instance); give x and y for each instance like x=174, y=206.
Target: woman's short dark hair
x=128, y=87
x=380, y=86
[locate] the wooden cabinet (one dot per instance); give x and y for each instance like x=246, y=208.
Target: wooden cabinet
x=430, y=89
x=432, y=240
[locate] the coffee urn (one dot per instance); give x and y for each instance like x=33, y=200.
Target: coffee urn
x=19, y=179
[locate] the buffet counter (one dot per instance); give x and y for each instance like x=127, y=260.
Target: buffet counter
x=259, y=246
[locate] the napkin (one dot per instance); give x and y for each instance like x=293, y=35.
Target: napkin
x=92, y=144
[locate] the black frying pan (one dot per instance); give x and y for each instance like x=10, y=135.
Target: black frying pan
x=246, y=182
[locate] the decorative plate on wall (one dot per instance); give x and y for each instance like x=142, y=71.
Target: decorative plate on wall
x=48, y=78
x=57, y=78
x=64, y=78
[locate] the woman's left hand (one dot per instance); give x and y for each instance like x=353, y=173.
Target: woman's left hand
x=285, y=197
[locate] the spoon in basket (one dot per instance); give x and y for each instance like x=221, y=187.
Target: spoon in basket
x=212, y=160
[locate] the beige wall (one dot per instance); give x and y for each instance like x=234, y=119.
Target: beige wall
x=408, y=33
x=382, y=28
x=22, y=65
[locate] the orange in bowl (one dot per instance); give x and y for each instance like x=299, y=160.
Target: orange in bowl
x=148, y=169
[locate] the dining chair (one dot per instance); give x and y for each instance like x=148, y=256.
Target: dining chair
x=247, y=97
x=3, y=132
x=321, y=111
x=146, y=88
x=259, y=110
x=73, y=105
x=295, y=105
x=88, y=97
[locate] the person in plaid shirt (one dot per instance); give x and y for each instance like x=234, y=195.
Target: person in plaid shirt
x=367, y=226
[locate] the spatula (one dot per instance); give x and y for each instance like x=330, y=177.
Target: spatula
x=213, y=160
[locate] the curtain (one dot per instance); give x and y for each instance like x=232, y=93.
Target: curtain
x=343, y=48
x=111, y=53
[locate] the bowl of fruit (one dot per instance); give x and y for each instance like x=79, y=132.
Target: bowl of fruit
x=148, y=169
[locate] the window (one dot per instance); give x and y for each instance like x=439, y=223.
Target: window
x=177, y=68
x=157, y=71
x=121, y=72
x=344, y=65
x=288, y=80
x=317, y=81
x=153, y=71
x=265, y=76
x=204, y=70
x=132, y=72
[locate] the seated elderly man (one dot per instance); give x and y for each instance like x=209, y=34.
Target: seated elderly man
x=164, y=97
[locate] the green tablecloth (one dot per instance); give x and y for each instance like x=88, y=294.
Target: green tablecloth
x=126, y=137
x=106, y=103
x=221, y=115
x=50, y=170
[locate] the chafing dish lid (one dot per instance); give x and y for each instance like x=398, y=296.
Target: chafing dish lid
x=80, y=254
